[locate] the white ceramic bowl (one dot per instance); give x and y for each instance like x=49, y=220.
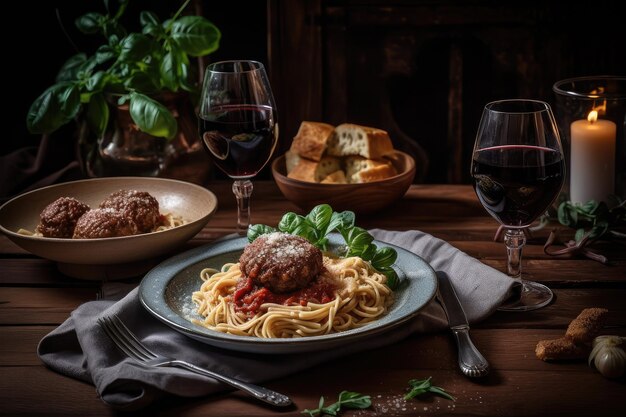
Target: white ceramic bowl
x=87, y=258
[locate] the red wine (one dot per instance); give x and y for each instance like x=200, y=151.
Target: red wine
x=239, y=138
x=516, y=184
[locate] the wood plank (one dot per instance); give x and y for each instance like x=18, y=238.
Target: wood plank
x=20, y=306
x=510, y=351
x=37, y=391
x=28, y=306
x=567, y=305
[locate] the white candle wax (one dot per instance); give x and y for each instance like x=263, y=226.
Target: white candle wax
x=592, y=167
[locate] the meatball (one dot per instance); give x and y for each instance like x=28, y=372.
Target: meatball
x=138, y=205
x=59, y=218
x=281, y=262
x=99, y=223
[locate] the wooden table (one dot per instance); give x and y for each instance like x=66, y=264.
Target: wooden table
x=35, y=298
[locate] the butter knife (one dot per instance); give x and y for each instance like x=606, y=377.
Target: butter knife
x=471, y=362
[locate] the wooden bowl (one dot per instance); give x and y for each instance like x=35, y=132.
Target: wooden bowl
x=361, y=198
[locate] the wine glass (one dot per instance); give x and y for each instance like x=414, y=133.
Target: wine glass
x=237, y=124
x=518, y=170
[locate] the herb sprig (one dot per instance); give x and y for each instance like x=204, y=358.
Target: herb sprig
x=422, y=386
x=321, y=221
x=347, y=399
x=593, y=218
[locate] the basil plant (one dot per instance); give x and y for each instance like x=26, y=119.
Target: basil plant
x=131, y=68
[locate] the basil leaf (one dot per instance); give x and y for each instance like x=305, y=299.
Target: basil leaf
x=169, y=71
x=358, y=238
x=346, y=220
x=98, y=114
x=104, y=53
x=354, y=400
x=563, y=214
x=90, y=23
x=305, y=230
x=196, y=35
x=289, y=222
x=97, y=81
x=152, y=117
x=69, y=70
x=320, y=217
x=384, y=257
x=148, y=18
x=53, y=108
x=135, y=47
x=257, y=230
x=367, y=252
x=392, y=276
x=419, y=387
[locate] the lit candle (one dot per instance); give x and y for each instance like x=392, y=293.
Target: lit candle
x=592, y=168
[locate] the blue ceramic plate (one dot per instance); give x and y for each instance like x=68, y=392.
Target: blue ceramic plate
x=166, y=293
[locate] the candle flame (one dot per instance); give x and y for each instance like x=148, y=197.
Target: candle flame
x=593, y=116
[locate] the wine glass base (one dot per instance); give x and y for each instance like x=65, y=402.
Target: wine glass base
x=528, y=296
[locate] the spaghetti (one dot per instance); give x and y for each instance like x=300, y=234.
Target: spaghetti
x=358, y=296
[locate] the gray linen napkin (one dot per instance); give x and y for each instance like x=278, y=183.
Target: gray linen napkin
x=79, y=348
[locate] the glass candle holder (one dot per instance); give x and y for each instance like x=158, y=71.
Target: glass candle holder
x=591, y=115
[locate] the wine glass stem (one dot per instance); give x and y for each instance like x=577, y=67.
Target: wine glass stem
x=514, y=239
x=243, y=190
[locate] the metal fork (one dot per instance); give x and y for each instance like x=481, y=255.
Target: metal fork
x=128, y=343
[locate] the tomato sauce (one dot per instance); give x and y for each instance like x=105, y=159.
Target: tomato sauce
x=249, y=297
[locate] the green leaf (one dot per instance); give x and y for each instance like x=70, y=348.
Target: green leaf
x=98, y=114
x=366, y=252
x=320, y=217
x=169, y=71
x=69, y=70
x=148, y=18
x=384, y=257
x=104, y=53
x=151, y=25
x=97, y=81
x=346, y=220
x=354, y=400
x=305, y=230
x=53, y=108
x=90, y=23
x=347, y=399
x=86, y=68
x=358, y=238
x=289, y=222
x=196, y=35
x=392, y=276
x=419, y=387
x=257, y=230
x=152, y=117
x=135, y=47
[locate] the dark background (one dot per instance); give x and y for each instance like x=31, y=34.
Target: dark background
x=35, y=52
x=420, y=69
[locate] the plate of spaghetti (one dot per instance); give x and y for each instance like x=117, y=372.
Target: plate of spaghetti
x=279, y=294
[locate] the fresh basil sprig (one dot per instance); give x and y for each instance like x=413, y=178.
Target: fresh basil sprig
x=593, y=218
x=321, y=221
x=422, y=386
x=347, y=399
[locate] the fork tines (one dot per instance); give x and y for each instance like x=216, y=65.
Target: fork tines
x=124, y=339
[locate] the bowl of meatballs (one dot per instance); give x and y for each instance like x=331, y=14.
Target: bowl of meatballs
x=121, y=221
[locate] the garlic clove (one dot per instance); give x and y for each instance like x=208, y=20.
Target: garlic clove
x=608, y=356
